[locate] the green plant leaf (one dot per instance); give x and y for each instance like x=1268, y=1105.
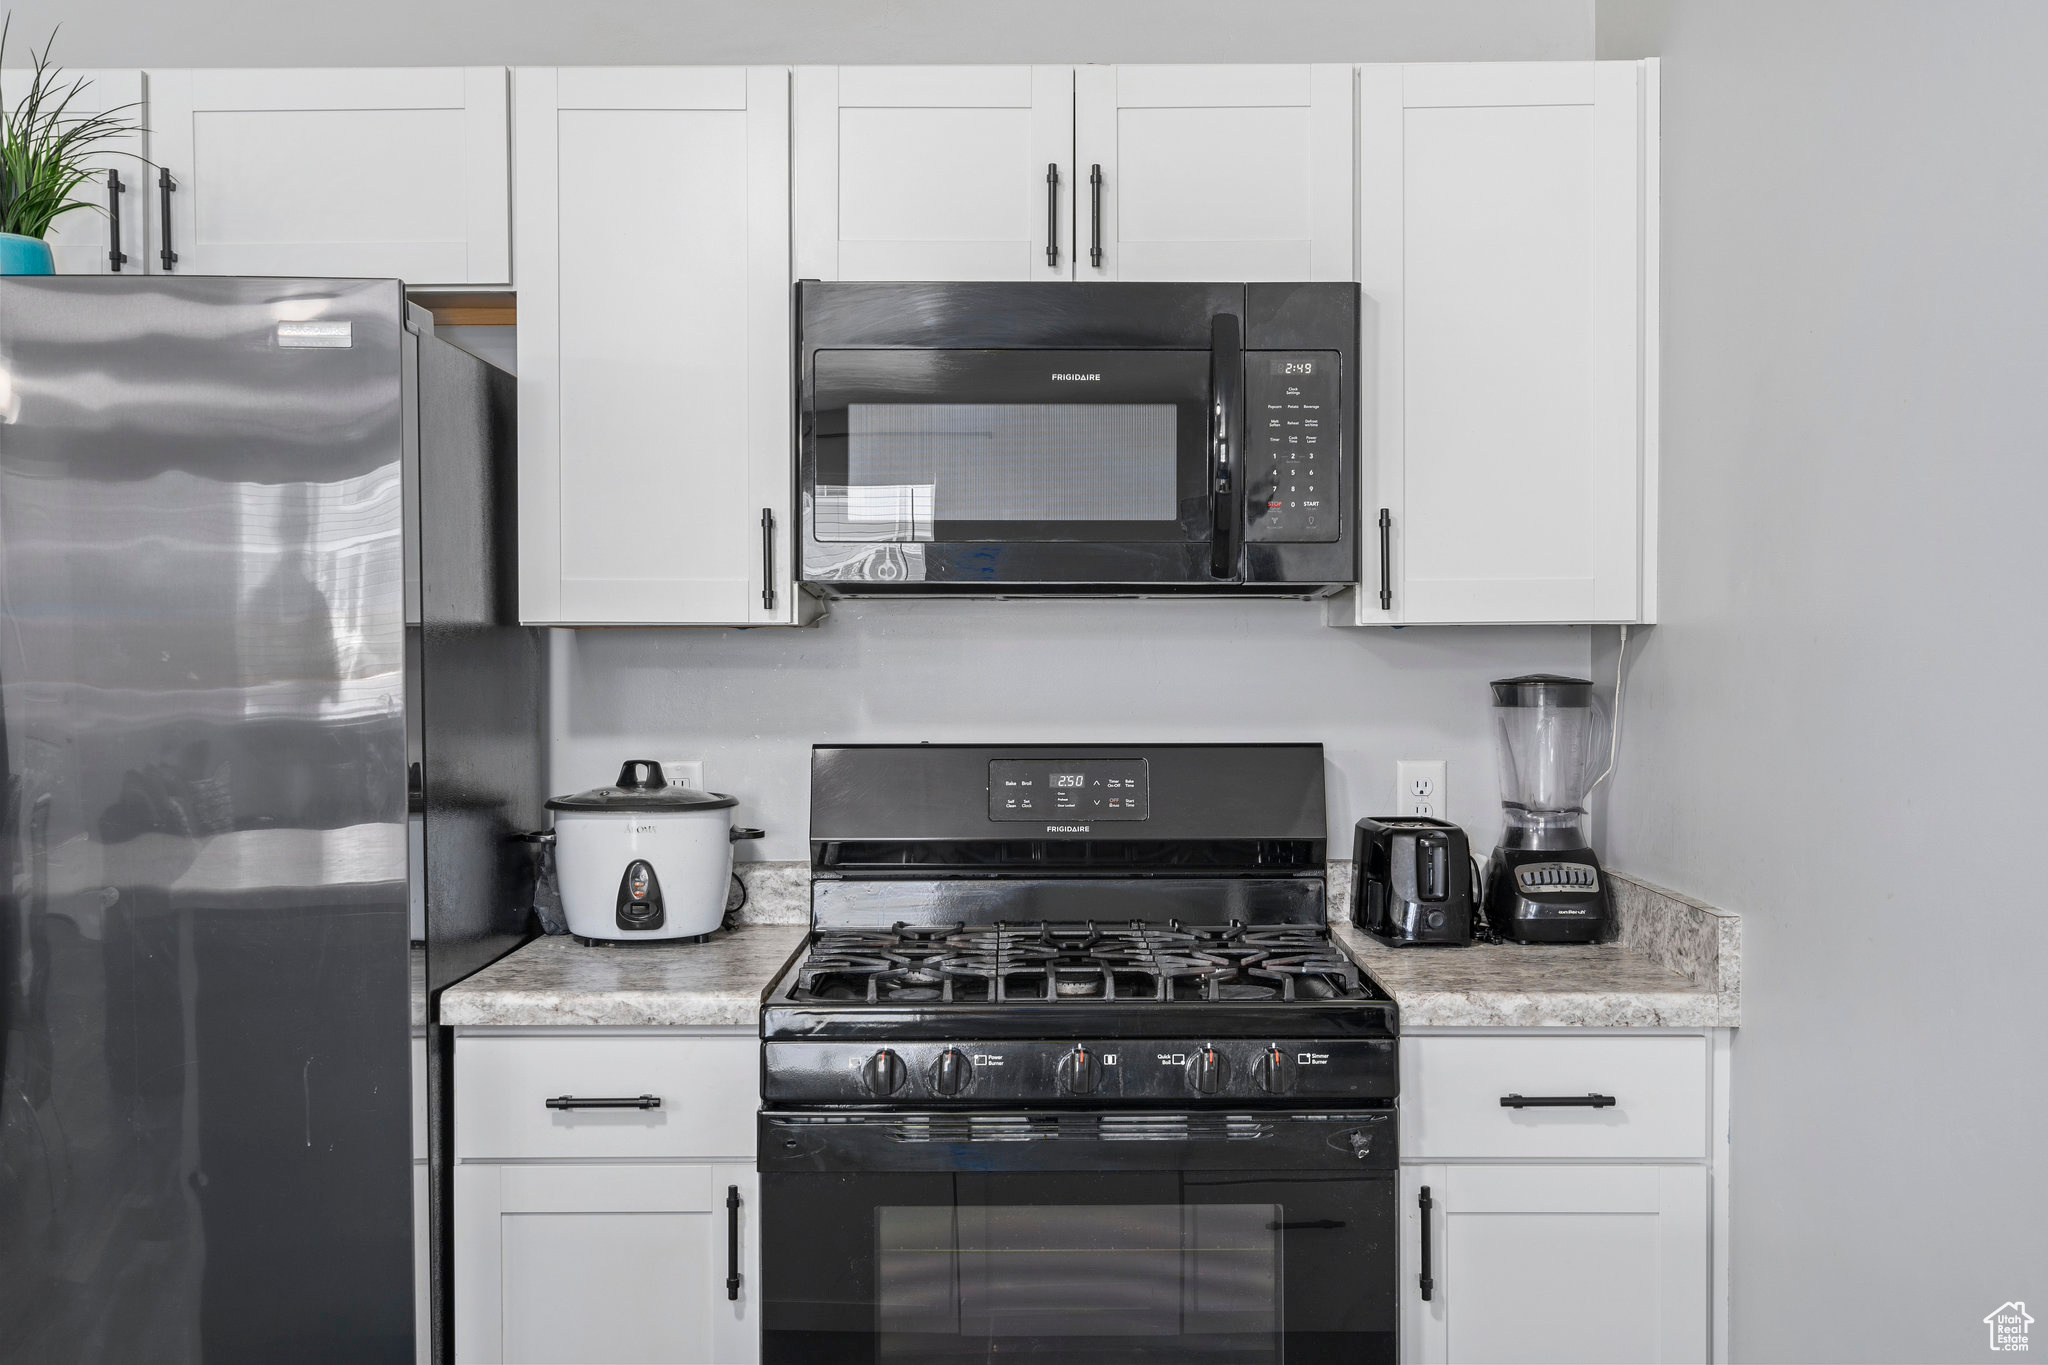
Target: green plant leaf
x=47, y=152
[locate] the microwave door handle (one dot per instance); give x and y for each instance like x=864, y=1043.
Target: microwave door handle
x=1226, y=479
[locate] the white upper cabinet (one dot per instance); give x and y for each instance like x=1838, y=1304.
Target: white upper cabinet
x=397, y=172
x=1213, y=172
x=654, y=345
x=934, y=173
x=1508, y=257
x=82, y=239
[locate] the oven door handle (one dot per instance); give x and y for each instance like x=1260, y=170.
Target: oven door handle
x=1226, y=478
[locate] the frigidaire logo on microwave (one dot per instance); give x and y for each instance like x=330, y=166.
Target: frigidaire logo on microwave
x=1080, y=378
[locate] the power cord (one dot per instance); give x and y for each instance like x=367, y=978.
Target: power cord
x=1614, y=731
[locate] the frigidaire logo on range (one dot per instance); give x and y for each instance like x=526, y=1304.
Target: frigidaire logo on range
x=1080, y=378
x=1066, y=829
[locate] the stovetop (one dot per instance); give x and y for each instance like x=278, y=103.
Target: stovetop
x=1137, y=962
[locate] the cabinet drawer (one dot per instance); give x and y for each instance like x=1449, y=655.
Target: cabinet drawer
x=709, y=1090
x=1451, y=1092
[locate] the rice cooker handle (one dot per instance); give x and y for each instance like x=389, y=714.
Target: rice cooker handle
x=641, y=775
x=739, y=832
x=536, y=836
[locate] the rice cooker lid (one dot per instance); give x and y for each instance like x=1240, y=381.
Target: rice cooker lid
x=642, y=787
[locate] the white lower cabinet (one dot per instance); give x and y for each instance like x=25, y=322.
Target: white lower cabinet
x=1555, y=1263
x=1563, y=1231
x=596, y=1265
x=633, y=1239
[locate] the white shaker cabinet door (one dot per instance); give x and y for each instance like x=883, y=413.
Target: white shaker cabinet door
x=654, y=345
x=82, y=239
x=383, y=172
x=1213, y=172
x=1578, y=1265
x=1507, y=254
x=596, y=1265
x=934, y=173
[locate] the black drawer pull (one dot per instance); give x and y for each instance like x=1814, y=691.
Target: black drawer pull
x=732, y=1242
x=1423, y=1205
x=164, y=185
x=1556, y=1101
x=605, y=1102
x=116, y=258
x=1095, y=214
x=1052, y=213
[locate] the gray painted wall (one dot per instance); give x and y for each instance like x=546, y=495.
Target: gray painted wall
x=552, y=32
x=1837, y=728
x=750, y=703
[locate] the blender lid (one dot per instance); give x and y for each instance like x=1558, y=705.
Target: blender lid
x=1543, y=689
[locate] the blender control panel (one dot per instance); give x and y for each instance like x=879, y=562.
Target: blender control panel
x=1293, y=446
x=1072, y=788
x=1536, y=879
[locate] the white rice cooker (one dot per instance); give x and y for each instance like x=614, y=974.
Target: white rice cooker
x=641, y=861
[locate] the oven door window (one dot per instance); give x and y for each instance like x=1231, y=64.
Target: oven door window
x=1116, y=1268
x=1098, y=1279
x=1000, y=446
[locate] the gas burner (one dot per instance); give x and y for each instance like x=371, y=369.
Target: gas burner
x=1129, y=963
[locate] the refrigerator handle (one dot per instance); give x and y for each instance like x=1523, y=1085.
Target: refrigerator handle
x=164, y=185
x=768, y=558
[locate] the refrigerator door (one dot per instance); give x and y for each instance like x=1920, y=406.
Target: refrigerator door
x=204, y=1126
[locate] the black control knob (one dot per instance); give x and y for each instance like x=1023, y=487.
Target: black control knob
x=951, y=1073
x=883, y=1074
x=1080, y=1073
x=1207, y=1071
x=1275, y=1072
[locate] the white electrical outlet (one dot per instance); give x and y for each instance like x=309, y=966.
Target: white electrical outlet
x=684, y=772
x=1419, y=787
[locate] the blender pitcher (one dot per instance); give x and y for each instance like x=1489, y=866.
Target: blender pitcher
x=1543, y=883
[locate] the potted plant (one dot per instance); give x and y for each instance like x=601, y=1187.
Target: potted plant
x=44, y=151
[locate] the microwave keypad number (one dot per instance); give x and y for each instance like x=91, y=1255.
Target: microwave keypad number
x=1294, y=445
x=1069, y=791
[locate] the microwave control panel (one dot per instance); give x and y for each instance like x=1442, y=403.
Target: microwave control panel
x=1078, y=789
x=1293, y=446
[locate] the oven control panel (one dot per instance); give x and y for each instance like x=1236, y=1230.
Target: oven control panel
x=1083, y=1071
x=1077, y=789
x=1294, y=446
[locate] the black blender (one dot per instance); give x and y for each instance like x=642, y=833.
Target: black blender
x=1543, y=883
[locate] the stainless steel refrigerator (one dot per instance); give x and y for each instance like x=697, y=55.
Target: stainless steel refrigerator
x=269, y=726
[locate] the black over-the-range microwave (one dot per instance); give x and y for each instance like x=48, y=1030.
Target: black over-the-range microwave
x=1108, y=439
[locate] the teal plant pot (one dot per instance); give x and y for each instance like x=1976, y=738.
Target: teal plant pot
x=21, y=255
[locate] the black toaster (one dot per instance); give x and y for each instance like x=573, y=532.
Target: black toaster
x=1411, y=880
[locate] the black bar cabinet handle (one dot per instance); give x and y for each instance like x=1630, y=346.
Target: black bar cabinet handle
x=1052, y=213
x=1386, y=560
x=732, y=1241
x=1423, y=1205
x=1226, y=486
x=768, y=558
x=116, y=258
x=164, y=185
x=1095, y=214
x=605, y=1102
x=1556, y=1101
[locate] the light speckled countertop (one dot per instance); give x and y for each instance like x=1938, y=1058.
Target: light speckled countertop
x=1677, y=964
x=555, y=981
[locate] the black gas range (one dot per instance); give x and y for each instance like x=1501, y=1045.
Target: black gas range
x=1071, y=1068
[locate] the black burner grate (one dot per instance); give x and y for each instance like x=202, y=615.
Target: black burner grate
x=952, y=964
